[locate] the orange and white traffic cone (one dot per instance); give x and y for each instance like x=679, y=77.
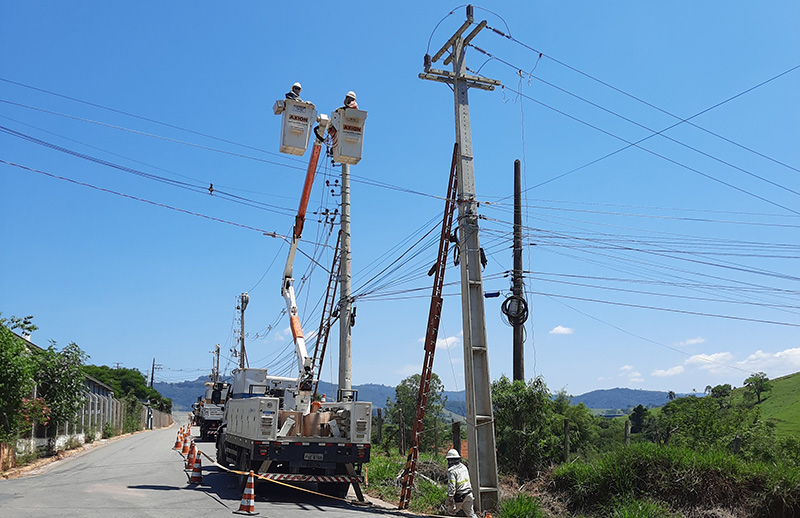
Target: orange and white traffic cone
x=197, y=472
x=178, y=443
x=185, y=449
x=248, y=497
x=191, y=458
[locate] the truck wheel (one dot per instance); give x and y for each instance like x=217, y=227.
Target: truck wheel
x=243, y=465
x=336, y=489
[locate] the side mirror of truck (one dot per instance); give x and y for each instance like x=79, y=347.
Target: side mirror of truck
x=216, y=396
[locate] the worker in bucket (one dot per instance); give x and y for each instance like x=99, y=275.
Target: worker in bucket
x=459, y=490
x=350, y=100
x=294, y=93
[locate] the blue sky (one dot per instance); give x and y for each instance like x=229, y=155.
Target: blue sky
x=130, y=281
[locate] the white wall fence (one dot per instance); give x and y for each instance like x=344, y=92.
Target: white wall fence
x=98, y=412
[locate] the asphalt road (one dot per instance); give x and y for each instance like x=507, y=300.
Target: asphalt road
x=141, y=476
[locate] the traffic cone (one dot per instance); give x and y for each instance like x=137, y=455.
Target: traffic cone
x=248, y=498
x=178, y=443
x=185, y=449
x=191, y=458
x=197, y=472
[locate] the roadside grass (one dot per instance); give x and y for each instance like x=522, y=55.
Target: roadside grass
x=426, y=497
x=678, y=478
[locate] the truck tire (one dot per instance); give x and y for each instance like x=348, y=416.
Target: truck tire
x=243, y=465
x=335, y=489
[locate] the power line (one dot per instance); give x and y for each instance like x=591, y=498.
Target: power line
x=681, y=120
x=636, y=144
x=660, y=133
x=157, y=204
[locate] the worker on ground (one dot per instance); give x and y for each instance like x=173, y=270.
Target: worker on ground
x=294, y=93
x=459, y=489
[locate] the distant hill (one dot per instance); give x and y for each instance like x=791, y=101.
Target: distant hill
x=184, y=393
x=622, y=398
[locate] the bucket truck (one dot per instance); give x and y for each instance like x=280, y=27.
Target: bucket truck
x=271, y=424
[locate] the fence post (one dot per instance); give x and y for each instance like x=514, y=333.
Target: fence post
x=457, y=436
x=627, y=432
x=380, y=426
x=401, y=432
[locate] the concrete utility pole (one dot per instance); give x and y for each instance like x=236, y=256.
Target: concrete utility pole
x=518, y=323
x=480, y=417
x=345, y=302
x=244, y=298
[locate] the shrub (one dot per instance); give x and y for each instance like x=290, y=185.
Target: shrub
x=108, y=430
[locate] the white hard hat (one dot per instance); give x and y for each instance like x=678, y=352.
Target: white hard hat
x=351, y=94
x=298, y=86
x=452, y=454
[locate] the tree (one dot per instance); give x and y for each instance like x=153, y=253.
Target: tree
x=406, y=399
x=61, y=380
x=637, y=419
x=525, y=426
x=16, y=382
x=721, y=394
x=758, y=383
x=671, y=395
x=24, y=324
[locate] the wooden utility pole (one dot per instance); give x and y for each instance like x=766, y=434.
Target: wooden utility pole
x=244, y=298
x=457, y=436
x=519, y=320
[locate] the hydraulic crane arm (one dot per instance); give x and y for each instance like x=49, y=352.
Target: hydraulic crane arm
x=287, y=286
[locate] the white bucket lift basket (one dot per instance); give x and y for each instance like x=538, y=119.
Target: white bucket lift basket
x=297, y=121
x=348, y=139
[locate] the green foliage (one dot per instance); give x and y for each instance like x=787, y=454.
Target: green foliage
x=520, y=506
x=60, y=379
x=524, y=426
x=16, y=382
x=757, y=384
x=679, y=477
x=133, y=408
x=108, y=430
x=406, y=399
x=129, y=381
x=637, y=418
x=24, y=324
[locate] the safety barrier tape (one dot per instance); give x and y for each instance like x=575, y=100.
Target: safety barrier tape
x=274, y=481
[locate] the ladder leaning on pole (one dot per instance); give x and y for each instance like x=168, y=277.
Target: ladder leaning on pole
x=327, y=319
x=431, y=333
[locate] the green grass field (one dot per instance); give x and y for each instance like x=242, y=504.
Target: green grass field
x=782, y=405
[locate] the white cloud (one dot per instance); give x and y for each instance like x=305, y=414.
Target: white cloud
x=714, y=363
x=561, y=330
x=634, y=374
x=625, y=368
x=672, y=371
x=279, y=336
x=636, y=380
x=692, y=341
x=785, y=361
x=447, y=343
